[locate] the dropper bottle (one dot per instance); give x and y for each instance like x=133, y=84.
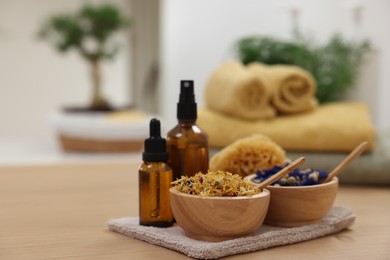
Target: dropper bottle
x=155, y=179
x=187, y=143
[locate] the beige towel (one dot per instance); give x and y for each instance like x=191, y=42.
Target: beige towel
x=232, y=89
x=333, y=127
x=293, y=88
x=337, y=219
x=247, y=155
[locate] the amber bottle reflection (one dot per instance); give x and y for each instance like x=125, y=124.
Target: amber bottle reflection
x=154, y=182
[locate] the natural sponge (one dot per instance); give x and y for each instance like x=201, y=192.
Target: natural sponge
x=247, y=155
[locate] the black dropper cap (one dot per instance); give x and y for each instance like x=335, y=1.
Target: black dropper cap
x=186, y=108
x=155, y=146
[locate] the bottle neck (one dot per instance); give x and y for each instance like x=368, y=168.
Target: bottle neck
x=187, y=123
x=154, y=162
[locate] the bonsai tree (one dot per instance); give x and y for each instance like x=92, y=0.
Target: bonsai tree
x=88, y=31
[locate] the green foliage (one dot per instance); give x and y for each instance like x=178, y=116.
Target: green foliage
x=335, y=65
x=90, y=26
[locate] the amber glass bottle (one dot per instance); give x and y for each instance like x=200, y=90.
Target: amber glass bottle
x=155, y=179
x=187, y=143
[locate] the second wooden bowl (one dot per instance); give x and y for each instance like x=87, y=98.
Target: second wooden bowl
x=292, y=206
x=218, y=218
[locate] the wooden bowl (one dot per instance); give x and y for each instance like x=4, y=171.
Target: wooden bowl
x=292, y=206
x=218, y=218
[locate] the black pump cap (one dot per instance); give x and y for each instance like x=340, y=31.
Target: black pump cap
x=186, y=108
x=155, y=146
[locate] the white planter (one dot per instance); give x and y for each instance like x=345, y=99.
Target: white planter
x=101, y=132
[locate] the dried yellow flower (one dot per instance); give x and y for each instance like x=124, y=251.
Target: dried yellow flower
x=215, y=184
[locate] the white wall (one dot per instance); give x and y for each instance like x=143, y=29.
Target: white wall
x=197, y=36
x=35, y=79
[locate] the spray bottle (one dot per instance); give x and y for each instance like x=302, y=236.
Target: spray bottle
x=187, y=143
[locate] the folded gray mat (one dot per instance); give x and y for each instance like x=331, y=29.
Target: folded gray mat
x=369, y=168
x=173, y=238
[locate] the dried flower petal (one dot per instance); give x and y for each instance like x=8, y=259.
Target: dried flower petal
x=215, y=184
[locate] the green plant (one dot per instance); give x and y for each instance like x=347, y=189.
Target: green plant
x=89, y=31
x=335, y=65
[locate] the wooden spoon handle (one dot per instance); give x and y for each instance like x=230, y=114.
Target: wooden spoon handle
x=283, y=172
x=355, y=153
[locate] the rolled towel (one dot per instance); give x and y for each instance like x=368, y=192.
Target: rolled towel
x=233, y=90
x=333, y=127
x=293, y=88
x=247, y=155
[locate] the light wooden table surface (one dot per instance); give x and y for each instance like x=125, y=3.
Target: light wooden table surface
x=60, y=212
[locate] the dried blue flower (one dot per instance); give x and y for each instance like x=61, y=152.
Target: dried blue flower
x=296, y=177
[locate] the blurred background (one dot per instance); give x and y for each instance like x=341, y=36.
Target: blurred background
x=167, y=41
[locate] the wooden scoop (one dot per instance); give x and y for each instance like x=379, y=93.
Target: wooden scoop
x=354, y=154
x=283, y=172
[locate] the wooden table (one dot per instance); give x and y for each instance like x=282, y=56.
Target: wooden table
x=60, y=212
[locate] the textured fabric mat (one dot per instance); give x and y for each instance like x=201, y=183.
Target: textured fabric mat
x=173, y=238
